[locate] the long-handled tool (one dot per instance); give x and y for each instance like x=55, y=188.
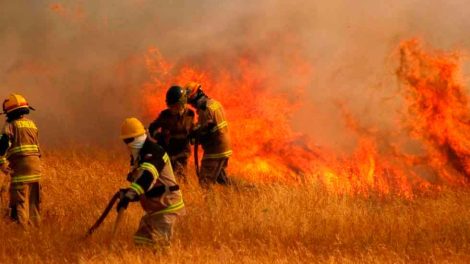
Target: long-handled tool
x=117, y=223
x=104, y=214
x=196, y=157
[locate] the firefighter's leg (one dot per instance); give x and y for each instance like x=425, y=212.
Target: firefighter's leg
x=207, y=172
x=19, y=203
x=155, y=231
x=34, y=203
x=213, y=171
x=222, y=177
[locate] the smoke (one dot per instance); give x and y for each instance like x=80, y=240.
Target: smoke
x=82, y=63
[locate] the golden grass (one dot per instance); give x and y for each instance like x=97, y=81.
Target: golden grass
x=270, y=224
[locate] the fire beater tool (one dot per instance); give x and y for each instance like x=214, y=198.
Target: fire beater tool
x=105, y=213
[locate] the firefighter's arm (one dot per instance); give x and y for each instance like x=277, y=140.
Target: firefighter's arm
x=137, y=188
x=155, y=125
x=218, y=119
x=4, y=144
x=201, y=132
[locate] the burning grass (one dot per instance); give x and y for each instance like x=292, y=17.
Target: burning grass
x=260, y=104
x=272, y=223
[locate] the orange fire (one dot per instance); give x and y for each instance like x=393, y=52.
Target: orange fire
x=439, y=111
x=260, y=104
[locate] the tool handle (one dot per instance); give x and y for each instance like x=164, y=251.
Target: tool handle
x=196, y=157
x=118, y=221
x=105, y=213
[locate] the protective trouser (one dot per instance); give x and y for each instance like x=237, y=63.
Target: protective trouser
x=213, y=171
x=155, y=230
x=25, y=190
x=24, y=203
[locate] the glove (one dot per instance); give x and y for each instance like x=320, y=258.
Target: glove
x=209, y=127
x=123, y=199
x=123, y=203
x=126, y=196
x=130, y=176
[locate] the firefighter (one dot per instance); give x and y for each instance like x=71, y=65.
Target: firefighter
x=153, y=184
x=19, y=146
x=211, y=132
x=171, y=130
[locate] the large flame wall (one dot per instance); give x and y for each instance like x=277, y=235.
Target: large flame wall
x=260, y=106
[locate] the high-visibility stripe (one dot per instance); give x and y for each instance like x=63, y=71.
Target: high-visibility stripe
x=218, y=155
x=166, y=158
x=151, y=168
x=143, y=240
x=25, y=124
x=172, y=208
x=23, y=148
x=219, y=126
x=26, y=178
x=137, y=188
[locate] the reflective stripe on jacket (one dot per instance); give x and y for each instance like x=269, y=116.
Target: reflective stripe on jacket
x=216, y=142
x=23, y=136
x=23, y=151
x=159, y=166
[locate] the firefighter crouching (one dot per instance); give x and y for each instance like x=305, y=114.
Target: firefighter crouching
x=19, y=145
x=171, y=130
x=212, y=133
x=153, y=184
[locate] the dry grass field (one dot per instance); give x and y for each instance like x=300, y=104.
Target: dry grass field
x=272, y=223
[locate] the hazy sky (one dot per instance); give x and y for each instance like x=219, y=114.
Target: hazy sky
x=81, y=63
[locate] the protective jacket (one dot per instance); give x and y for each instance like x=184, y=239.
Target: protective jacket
x=174, y=131
x=153, y=182
x=214, y=136
x=19, y=145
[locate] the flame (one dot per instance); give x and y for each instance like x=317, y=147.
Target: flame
x=439, y=111
x=260, y=104
x=261, y=135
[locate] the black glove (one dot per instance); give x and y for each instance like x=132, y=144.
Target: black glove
x=123, y=203
x=130, y=177
x=209, y=127
x=123, y=199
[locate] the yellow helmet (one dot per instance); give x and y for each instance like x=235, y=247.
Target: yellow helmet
x=192, y=88
x=132, y=127
x=13, y=102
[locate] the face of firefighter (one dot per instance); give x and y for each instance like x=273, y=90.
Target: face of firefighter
x=135, y=146
x=177, y=109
